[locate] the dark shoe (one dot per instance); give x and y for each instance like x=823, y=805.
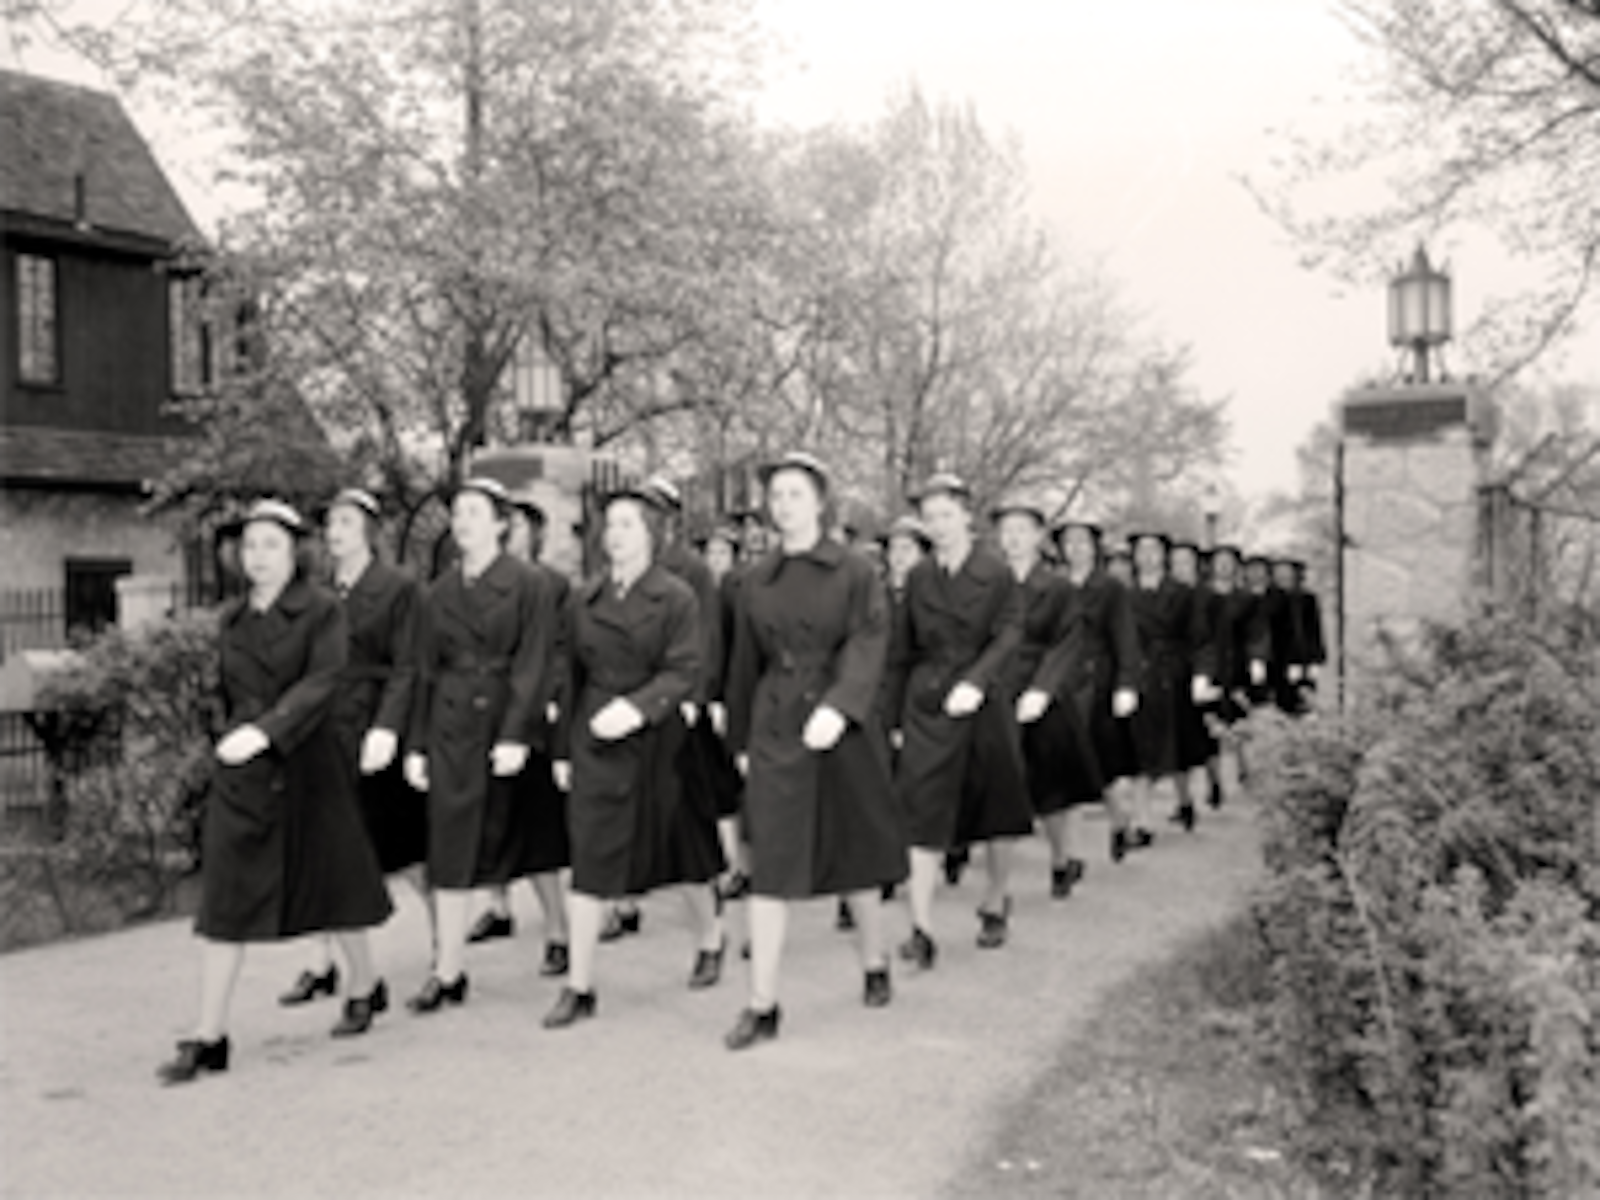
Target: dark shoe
x=555, y=959
x=491, y=925
x=309, y=986
x=195, y=1056
x=1141, y=839
x=992, y=927
x=954, y=863
x=360, y=1010
x=1060, y=883
x=1185, y=817
x=707, y=968
x=919, y=948
x=744, y=950
x=619, y=924
x=1119, y=845
x=1215, y=799
x=877, y=992
x=735, y=887
x=571, y=1007
x=846, y=920
x=753, y=1027
x=435, y=994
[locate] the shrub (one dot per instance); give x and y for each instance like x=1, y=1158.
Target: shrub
x=1432, y=913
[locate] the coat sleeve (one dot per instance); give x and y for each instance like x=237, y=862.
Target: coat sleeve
x=572, y=676
x=534, y=662
x=745, y=665
x=900, y=657
x=306, y=701
x=1258, y=631
x=1122, y=633
x=1316, y=645
x=427, y=659
x=1056, y=665
x=861, y=657
x=394, y=706
x=1005, y=635
x=1202, y=637
x=678, y=663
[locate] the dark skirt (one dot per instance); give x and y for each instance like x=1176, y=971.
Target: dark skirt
x=1158, y=723
x=546, y=845
x=961, y=779
x=710, y=777
x=633, y=826
x=1197, y=745
x=1110, y=736
x=284, y=852
x=395, y=816
x=1063, y=767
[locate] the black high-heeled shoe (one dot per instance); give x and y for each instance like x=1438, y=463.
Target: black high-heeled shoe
x=620, y=923
x=195, y=1056
x=310, y=985
x=359, y=1012
x=1119, y=845
x=707, y=967
x=876, y=991
x=992, y=926
x=919, y=948
x=753, y=1027
x=844, y=920
x=571, y=1007
x=435, y=994
x=556, y=959
x=1140, y=839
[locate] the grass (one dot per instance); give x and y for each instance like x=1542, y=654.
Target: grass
x=1164, y=1093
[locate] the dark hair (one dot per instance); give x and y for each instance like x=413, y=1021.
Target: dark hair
x=303, y=551
x=826, y=508
x=656, y=520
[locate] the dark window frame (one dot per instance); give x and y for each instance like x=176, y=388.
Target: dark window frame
x=191, y=369
x=28, y=331
x=76, y=573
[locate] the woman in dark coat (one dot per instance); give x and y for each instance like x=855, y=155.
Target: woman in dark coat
x=488, y=651
x=283, y=850
x=1230, y=606
x=1062, y=767
x=1197, y=746
x=635, y=640
x=371, y=708
x=1174, y=673
x=808, y=656
x=960, y=776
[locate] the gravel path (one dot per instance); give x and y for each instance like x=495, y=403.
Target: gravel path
x=643, y=1101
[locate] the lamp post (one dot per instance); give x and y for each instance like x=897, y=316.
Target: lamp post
x=537, y=390
x=1419, y=311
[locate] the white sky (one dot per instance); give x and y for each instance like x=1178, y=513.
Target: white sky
x=1136, y=118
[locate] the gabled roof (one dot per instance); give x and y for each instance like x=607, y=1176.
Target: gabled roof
x=85, y=458
x=51, y=132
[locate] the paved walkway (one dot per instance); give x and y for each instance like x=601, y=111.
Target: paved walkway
x=644, y=1101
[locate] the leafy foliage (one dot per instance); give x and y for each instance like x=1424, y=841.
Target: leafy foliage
x=1433, y=914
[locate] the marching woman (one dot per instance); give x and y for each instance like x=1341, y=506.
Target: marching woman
x=1062, y=766
x=371, y=708
x=488, y=651
x=724, y=560
x=960, y=775
x=808, y=656
x=1174, y=673
x=1197, y=746
x=1229, y=613
x=283, y=850
x=634, y=637
x=544, y=839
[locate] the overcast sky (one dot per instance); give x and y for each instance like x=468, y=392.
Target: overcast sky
x=1136, y=121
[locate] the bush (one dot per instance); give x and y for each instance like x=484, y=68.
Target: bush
x=1432, y=913
x=146, y=712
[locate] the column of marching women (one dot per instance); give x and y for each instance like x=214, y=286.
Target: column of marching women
x=786, y=715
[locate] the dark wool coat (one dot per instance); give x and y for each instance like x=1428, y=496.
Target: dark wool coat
x=706, y=764
x=283, y=849
x=542, y=806
x=634, y=827
x=488, y=649
x=812, y=630
x=376, y=690
x=1062, y=766
x=1229, y=615
x=1261, y=645
x=1195, y=743
x=1172, y=645
x=1288, y=649
x=1096, y=653
x=960, y=779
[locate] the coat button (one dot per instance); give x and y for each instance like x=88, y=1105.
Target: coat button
x=480, y=702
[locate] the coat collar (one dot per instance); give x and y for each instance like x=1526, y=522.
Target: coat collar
x=291, y=602
x=652, y=585
x=827, y=553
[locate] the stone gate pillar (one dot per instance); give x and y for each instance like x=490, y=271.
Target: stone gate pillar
x=1413, y=458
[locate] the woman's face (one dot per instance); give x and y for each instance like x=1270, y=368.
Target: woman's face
x=905, y=552
x=1185, y=566
x=719, y=557
x=346, y=531
x=1224, y=569
x=520, y=537
x=947, y=520
x=1120, y=568
x=627, y=535
x=1077, y=544
x=1020, y=536
x=794, y=501
x=475, y=525
x=1150, y=558
x=266, y=555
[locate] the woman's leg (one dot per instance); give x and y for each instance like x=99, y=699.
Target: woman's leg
x=585, y=915
x=702, y=901
x=769, y=925
x=451, y=906
x=999, y=856
x=356, y=947
x=925, y=867
x=547, y=887
x=867, y=908
x=219, y=973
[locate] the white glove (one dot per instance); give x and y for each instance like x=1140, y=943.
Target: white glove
x=1258, y=672
x=1031, y=705
x=689, y=711
x=416, y=770
x=1294, y=673
x=824, y=728
x=964, y=700
x=507, y=758
x=240, y=746
x=1311, y=672
x=897, y=738
x=1199, y=689
x=719, y=718
x=378, y=750
x=561, y=772
x=616, y=720
x=742, y=761
x=552, y=713
x=1124, y=702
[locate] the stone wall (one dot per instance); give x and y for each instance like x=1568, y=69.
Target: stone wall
x=41, y=529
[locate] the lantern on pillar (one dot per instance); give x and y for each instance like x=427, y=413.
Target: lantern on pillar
x=537, y=390
x=1419, y=311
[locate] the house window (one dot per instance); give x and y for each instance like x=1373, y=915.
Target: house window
x=192, y=365
x=91, y=600
x=37, y=324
